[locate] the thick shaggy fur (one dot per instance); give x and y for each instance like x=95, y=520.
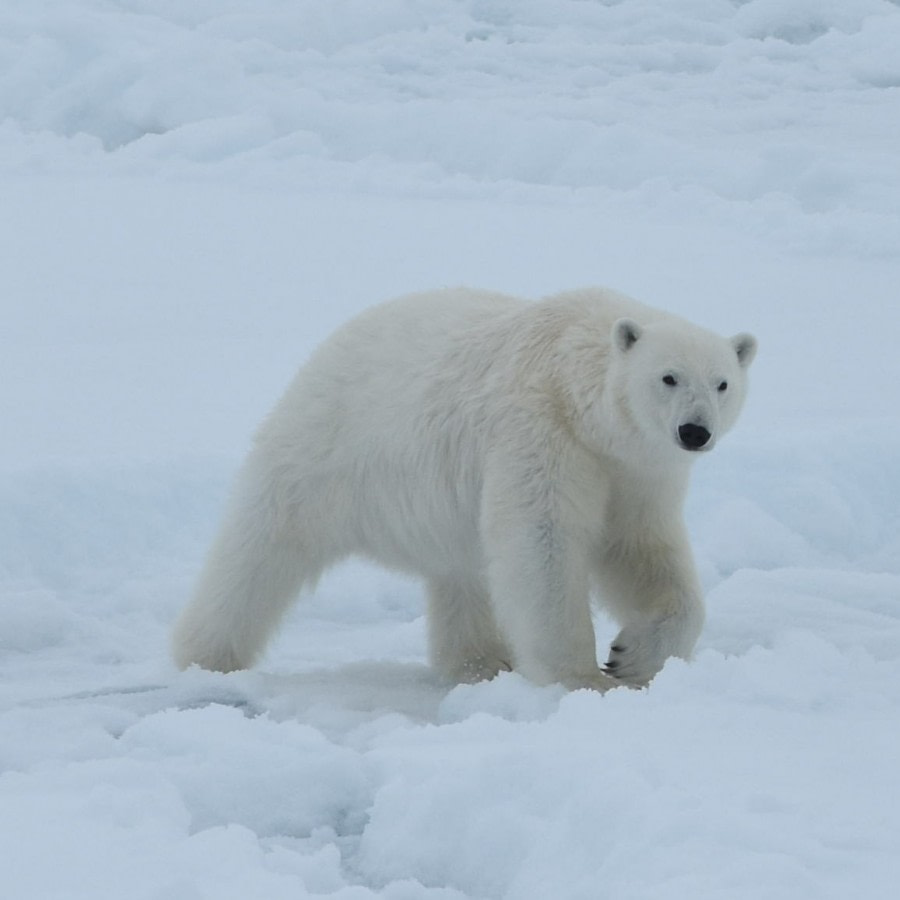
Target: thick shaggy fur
x=518, y=456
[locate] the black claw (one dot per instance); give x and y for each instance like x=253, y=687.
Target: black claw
x=617, y=648
x=612, y=664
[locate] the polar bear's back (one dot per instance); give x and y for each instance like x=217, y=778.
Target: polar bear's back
x=396, y=362
x=389, y=356
x=397, y=368
x=416, y=330
x=421, y=327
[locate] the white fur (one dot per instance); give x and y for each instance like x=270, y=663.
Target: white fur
x=518, y=456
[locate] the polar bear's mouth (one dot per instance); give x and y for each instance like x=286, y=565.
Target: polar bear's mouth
x=694, y=437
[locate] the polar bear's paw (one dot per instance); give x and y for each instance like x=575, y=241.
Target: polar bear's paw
x=635, y=656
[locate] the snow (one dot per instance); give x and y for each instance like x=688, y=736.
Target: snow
x=194, y=195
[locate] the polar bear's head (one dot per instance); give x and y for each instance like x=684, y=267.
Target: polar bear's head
x=682, y=386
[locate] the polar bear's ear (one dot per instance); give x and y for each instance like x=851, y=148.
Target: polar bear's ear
x=625, y=333
x=745, y=347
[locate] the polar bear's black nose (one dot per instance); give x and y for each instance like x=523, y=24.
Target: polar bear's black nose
x=692, y=436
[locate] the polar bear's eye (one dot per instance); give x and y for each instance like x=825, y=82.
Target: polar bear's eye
x=723, y=386
x=670, y=380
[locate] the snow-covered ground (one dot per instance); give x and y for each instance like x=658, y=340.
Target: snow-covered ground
x=194, y=194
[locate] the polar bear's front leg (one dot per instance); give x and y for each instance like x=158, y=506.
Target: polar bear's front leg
x=539, y=588
x=652, y=589
x=542, y=608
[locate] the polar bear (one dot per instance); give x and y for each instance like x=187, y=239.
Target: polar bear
x=519, y=456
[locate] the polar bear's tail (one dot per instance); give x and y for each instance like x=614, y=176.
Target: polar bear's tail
x=254, y=570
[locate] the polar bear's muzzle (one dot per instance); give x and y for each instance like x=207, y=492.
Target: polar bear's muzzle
x=692, y=436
